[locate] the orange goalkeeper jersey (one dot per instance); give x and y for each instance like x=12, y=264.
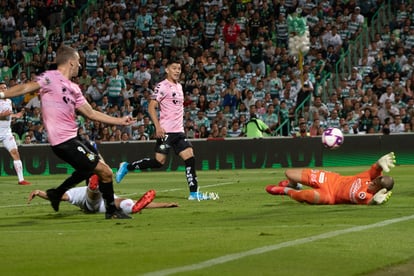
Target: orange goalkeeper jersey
x=338, y=189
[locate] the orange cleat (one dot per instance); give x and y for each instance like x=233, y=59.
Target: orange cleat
x=146, y=199
x=93, y=183
x=275, y=190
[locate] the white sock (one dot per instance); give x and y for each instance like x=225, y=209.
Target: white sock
x=19, y=169
x=126, y=205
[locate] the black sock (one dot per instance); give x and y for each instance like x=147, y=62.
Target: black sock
x=107, y=190
x=190, y=174
x=72, y=181
x=143, y=164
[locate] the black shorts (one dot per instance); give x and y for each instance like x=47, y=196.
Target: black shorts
x=177, y=141
x=79, y=153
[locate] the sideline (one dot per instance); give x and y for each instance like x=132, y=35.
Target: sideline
x=264, y=249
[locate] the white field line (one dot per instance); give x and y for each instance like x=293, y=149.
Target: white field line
x=274, y=247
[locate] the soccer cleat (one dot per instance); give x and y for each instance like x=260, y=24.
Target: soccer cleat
x=54, y=198
x=122, y=171
x=24, y=182
x=93, y=183
x=198, y=196
x=275, y=190
x=283, y=183
x=146, y=199
x=117, y=214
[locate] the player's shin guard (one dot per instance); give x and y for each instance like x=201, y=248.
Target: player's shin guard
x=190, y=174
x=107, y=190
x=143, y=164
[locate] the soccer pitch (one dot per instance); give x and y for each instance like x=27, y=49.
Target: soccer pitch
x=245, y=232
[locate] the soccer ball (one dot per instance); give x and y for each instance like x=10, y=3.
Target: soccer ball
x=332, y=138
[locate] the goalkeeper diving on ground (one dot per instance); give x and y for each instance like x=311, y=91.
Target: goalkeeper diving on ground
x=368, y=187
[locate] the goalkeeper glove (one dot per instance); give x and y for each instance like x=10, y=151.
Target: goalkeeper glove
x=387, y=162
x=381, y=196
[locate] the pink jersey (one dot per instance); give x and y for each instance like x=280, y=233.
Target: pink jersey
x=59, y=97
x=170, y=98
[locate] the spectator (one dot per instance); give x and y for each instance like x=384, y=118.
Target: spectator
x=91, y=59
x=220, y=120
x=144, y=21
x=202, y=132
x=365, y=121
x=257, y=57
x=14, y=57
x=388, y=95
x=115, y=87
x=397, y=126
x=231, y=32
x=7, y=26
x=270, y=118
x=320, y=108
x=376, y=126
x=387, y=111
x=303, y=131
x=235, y=130
x=141, y=75
x=315, y=129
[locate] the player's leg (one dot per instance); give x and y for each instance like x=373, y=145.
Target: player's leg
x=190, y=172
x=93, y=195
x=10, y=144
x=184, y=149
x=106, y=187
x=161, y=152
x=292, y=181
x=82, y=159
x=294, y=176
x=310, y=196
x=130, y=206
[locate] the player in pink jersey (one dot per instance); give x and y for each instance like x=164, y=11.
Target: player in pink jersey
x=61, y=99
x=168, y=97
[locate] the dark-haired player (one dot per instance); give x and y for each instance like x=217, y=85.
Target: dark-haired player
x=168, y=98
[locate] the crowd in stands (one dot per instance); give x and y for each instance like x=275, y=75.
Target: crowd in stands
x=235, y=62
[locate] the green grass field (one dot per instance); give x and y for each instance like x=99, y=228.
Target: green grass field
x=245, y=232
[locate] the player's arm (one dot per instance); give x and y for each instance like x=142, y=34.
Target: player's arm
x=94, y=115
x=152, y=111
x=43, y=194
x=385, y=163
x=20, y=89
x=162, y=205
x=39, y=193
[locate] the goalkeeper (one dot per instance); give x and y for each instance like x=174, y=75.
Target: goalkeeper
x=368, y=187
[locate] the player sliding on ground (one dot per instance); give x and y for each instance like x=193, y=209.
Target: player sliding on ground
x=368, y=187
x=90, y=200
